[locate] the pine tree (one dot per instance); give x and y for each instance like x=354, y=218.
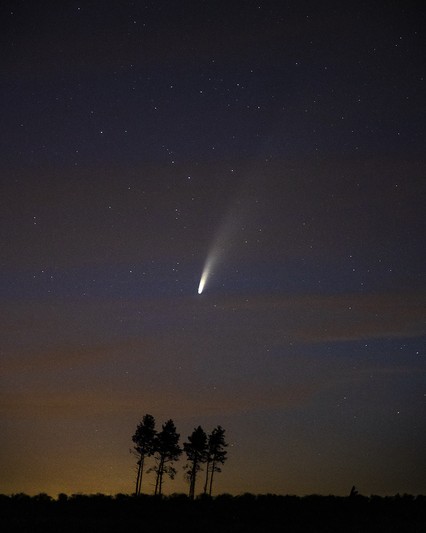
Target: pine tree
x=144, y=439
x=216, y=455
x=196, y=450
x=167, y=450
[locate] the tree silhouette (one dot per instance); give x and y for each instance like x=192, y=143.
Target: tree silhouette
x=196, y=452
x=216, y=455
x=353, y=492
x=167, y=450
x=144, y=439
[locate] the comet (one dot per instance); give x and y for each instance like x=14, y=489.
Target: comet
x=207, y=270
x=219, y=248
x=203, y=279
x=228, y=235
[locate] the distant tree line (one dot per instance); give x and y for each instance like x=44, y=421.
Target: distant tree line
x=202, y=450
x=246, y=513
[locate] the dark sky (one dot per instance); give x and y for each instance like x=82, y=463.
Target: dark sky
x=285, y=142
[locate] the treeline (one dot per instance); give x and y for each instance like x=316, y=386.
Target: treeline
x=232, y=514
x=202, y=451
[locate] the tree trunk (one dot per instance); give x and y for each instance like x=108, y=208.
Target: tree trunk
x=159, y=480
x=137, y=488
x=193, y=478
x=207, y=478
x=211, y=478
x=160, y=484
x=140, y=474
x=191, y=486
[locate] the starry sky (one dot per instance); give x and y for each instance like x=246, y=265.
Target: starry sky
x=285, y=138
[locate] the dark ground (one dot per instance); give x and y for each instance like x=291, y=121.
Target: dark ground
x=225, y=513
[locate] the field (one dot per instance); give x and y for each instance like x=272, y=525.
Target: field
x=225, y=514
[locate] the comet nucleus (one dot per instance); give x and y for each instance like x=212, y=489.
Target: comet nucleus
x=201, y=285
x=204, y=276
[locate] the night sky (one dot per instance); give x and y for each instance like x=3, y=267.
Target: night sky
x=283, y=143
